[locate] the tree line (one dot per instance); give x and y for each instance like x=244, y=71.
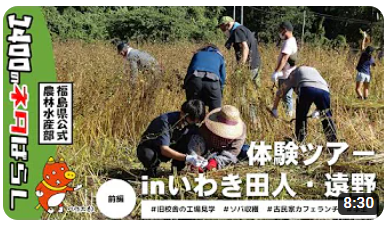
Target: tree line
x=334, y=26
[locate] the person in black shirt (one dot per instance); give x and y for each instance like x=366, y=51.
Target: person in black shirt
x=244, y=44
x=167, y=137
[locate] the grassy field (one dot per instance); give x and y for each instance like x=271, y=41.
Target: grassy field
x=110, y=116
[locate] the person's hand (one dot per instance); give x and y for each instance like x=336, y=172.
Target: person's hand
x=39, y=193
x=275, y=113
x=204, y=163
x=195, y=160
x=213, y=165
x=78, y=187
x=275, y=76
x=364, y=34
x=315, y=114
x=238, y=69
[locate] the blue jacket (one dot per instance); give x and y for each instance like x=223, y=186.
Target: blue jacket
x=209, y=60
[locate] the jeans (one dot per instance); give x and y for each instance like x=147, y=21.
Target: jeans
x=321, y=98
x=287, y=99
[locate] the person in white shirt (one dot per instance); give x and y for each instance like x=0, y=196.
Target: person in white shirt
x=286, y=62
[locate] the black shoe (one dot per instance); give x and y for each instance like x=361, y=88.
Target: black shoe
x=152, y=173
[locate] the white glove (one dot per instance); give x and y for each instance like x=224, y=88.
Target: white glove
x=275, y=113
x=275, y=76
x=77, y=187
x=315, y=114
x=204, y=163
x=363, y=33
x=195, y=160
x=39, y=193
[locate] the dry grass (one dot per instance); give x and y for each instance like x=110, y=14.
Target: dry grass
x=110, y=116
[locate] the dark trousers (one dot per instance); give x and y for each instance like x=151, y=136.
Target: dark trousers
x=321, y=98
x=209, y=91
x=150, y=155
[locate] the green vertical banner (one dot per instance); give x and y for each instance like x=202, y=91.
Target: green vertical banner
x=28, y=60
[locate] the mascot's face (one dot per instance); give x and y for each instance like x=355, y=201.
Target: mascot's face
x=57, y=174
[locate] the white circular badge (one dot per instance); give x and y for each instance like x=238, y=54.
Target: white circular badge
x=115, y=199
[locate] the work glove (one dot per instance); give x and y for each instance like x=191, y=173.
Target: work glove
x=39, y=193
x=78, y=187
x=195, y=160
x=315, y=114
x=204, y=163
x=275, y=113
x=212, y=165
x=275, y=76
x=363, y=33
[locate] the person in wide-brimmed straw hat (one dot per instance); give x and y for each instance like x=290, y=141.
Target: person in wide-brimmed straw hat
x=222, y=134
x=225, y=122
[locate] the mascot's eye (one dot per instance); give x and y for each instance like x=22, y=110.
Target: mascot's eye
x=54, y=172
x=47, y=176
x=62, y=168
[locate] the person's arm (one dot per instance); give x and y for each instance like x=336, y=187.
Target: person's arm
x=171, y=153
x=235, y=147
x=288, y=48
x=191, y=63
x=222, y=70
x=133, y=69
x=245, y=52
x=277, y=100
x=372, y=61
x=282, y=62
x=364, y=41
x=163, y=141
x=282, y=91
x=227, y=155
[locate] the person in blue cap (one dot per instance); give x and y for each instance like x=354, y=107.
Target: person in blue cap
x=206, y=76
x=244, y=44
x=140, y=61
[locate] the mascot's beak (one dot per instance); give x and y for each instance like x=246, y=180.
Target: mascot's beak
x=70, y=175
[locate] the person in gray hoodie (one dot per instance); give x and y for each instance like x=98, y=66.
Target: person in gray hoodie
x=140, y=61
